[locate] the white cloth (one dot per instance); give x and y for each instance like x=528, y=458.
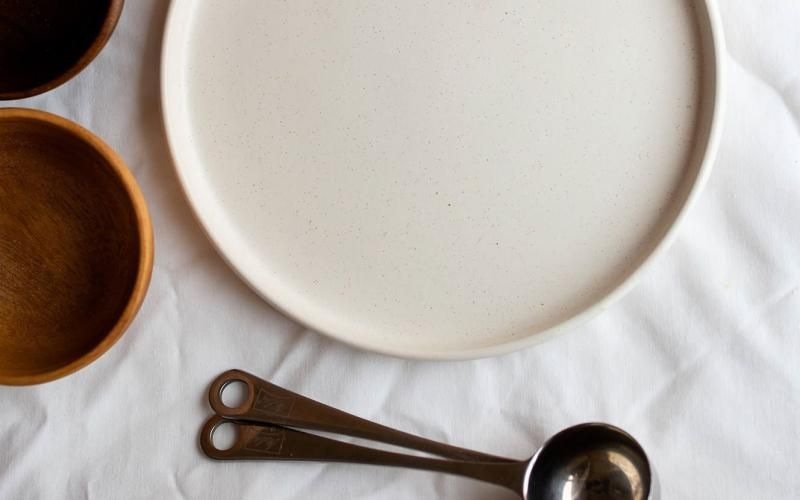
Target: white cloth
x=699, y=361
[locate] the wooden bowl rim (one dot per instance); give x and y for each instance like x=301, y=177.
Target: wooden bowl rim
x=143, y=226
x=100, y=40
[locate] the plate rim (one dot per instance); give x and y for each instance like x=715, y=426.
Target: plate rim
x=712, y=36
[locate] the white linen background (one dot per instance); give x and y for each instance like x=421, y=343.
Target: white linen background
x=701, y=361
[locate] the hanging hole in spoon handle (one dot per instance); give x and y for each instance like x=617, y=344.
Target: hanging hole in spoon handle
x=268, y=403
x=278, y=443
x=245, y=402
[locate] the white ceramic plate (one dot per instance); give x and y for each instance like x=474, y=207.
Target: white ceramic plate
x=441, y=179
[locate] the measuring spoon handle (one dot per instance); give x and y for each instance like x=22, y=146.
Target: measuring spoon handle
x=270, y=404
x=274, y=442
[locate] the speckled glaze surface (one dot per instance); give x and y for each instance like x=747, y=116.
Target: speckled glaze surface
x=441, y=179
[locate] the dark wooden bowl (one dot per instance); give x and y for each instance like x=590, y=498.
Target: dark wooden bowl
x=44, y=43
x=76, y=247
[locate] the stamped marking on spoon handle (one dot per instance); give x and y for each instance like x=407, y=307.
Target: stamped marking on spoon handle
x=271, y=404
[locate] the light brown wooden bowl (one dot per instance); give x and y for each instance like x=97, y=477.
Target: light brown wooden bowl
x=76, y=247
x=44, y=43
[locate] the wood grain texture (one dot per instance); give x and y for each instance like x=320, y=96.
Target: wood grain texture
x=76, y=247
x=44, y=43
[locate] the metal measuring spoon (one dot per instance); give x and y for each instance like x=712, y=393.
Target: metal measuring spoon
x=587, y=461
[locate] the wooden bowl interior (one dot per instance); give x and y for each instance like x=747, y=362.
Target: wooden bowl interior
x=45, y=42
x=69, y=248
